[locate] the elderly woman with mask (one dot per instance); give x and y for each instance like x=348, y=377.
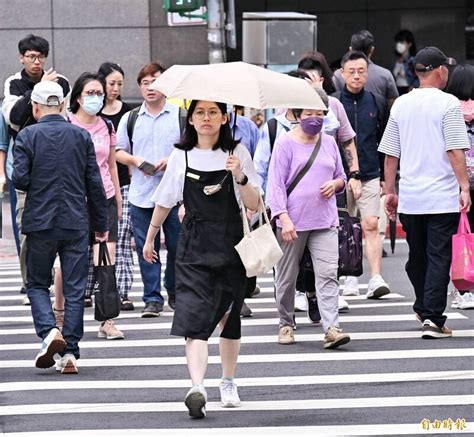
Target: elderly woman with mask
x=307, y=217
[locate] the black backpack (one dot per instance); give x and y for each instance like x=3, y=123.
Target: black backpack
x=272, y=131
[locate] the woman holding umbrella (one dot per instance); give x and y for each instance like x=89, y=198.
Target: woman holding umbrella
x=209, y=173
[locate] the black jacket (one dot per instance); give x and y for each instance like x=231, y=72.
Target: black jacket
x=16, y=104
x=55, y=163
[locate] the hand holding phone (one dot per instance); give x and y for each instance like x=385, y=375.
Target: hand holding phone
x=147, y=168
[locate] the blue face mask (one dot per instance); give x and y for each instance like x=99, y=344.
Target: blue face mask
x=92, y=104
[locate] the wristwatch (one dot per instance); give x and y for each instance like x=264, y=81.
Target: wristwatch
x=244, y=180
x=354, y=175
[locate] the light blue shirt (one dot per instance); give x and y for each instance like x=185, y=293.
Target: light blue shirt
x=246, y=130
x=6, y=147
x=263, y=153
x=154, y=137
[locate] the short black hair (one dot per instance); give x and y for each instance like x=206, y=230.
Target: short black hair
x=189, y=138
x=33, y=42
x=461, y=82
x=79, y=85
x=353, y=56
x=109, y=67
x=405, y=35
x=362, y=41
x=317, y=61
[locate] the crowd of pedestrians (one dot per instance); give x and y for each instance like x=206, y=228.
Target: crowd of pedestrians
x=84, y=167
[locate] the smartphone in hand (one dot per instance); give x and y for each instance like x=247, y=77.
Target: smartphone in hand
x=147, y=168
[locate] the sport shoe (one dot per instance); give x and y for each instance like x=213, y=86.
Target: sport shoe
x=313, y=309
x=229, y=395
x=59, y=316
x=301, y=304
x=334, y=338
x=171, y=301
x=152, y=309
x=377, y=288
x=87, y=302
x=285, y=335
x=463, y=301
x=342, y=305
x=52, y=344
x=127, y=305
x=351, y=286
x=67, y=365
x=195, y=401
x=109, y=331
x=431, y=331
x=245, y=311
x=26, y=301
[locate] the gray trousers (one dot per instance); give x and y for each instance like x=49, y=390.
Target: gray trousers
x=323, y=246
x=20, y=206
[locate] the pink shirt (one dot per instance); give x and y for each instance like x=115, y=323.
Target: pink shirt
x=104, y=145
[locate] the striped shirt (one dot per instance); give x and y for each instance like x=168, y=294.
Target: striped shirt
x=423, y=125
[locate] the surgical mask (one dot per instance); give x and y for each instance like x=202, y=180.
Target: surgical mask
x=312, y=125
x=401, y=47
x=92, y=104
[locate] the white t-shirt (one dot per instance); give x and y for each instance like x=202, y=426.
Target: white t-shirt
x=423, y=125
x=170, y=190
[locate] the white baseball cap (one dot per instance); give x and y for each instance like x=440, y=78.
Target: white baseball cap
x=47, y=93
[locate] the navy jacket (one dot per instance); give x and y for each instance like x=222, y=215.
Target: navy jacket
x=55, y=163
x=367, y=113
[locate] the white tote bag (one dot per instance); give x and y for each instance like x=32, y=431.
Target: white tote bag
x=259, y=250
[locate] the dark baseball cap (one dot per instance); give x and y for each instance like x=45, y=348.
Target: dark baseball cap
x=429, y=58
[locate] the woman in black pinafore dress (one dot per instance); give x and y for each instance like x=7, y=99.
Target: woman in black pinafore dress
x=209, y=173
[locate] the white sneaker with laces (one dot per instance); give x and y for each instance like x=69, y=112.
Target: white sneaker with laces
x=195, y=401
x=229, y=395
x=301, y=304
x=26, y=301
x=351, y=286
x=342, y=304
x=377, y=288
x=67, y=365
x=462, y=301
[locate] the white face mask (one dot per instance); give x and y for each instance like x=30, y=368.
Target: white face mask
x=401, y=47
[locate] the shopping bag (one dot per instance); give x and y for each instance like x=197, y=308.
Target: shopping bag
x=106, y=295
x=462, y=264
x=350, y=245
x=259, y=250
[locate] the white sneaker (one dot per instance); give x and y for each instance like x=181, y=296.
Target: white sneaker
x=462, y=301
x=301, y=304
x=195, y=401
x=377, y=288
x=229, y=395
x=52, y=344
x=342, y=305
x=26, y=301
x=351, y=286
x=67, y=365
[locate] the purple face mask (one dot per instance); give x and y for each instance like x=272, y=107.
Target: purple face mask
x=312, y=125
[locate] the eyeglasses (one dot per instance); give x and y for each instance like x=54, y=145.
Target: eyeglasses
x=212, y=114
x=146, y=83
x=352, y=72
x=33, y=58
x=93, y=93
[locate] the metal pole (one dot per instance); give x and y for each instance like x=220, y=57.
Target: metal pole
x=215, y=31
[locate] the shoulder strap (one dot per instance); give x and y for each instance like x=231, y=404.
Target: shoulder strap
x=108, y=123
x=307, y=166
x=337, y=95
x=132, y=119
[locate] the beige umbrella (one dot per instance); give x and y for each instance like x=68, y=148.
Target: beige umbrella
x=238, y=83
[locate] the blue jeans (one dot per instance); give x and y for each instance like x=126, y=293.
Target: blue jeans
x=40, y=258
x=12, y=194
x=151, y=273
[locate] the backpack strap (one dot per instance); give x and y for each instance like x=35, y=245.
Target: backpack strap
x=132, y=119
x=110, y=126
x=272, y=125
x=337, y=95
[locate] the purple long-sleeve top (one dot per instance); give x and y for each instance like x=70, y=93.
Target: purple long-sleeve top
x=307, y=208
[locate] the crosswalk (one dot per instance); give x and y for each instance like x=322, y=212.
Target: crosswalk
x=386, y=381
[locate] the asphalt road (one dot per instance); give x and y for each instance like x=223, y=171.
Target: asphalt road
x=386, y=381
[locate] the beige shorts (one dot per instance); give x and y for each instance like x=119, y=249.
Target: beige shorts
x=368, y=203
